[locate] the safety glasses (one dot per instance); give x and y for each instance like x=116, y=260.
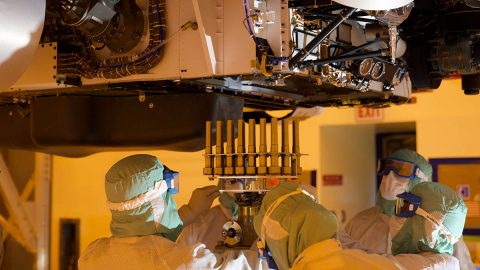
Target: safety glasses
x=399, y=167
x=173, y=180
x=408, y=205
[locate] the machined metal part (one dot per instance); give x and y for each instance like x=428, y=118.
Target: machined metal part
x=251, y=159
x=120, y=27
x=232, y=233
x=229, y=169
x=240, y=160
x=219, y=150
x=365, y=67
x=296, y=59
x=208, y=170
x=274, y=154
x=393, y=33
x=296, y=168
x=286, y=169
x=262, y=160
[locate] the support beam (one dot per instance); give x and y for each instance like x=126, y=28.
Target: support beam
x=43, y=176
x=15, y=207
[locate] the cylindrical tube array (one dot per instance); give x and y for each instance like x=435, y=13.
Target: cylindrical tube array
x=251, y=160
x=296, y=169
x=241, y=159
x=219, y=150
x=286, y=169
x=262, y=155
x=208, y=149
x=229, y=169
x=274, y=154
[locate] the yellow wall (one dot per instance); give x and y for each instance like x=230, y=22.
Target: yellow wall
x=447, y=126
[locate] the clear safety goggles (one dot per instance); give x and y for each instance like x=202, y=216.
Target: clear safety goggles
x=399, y=167
x=408, y=205
x=173, y=180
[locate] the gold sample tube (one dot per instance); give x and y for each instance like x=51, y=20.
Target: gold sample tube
x=262, y=160
x=274, y=168
x=240, y=160
x=208, y=170
x=296, y=168
x=286, y=169
x=229, y=169
x=251, y=166
x=219, y=150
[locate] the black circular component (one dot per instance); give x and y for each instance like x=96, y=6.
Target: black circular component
x=471, y=84
x=126, y=28
x=231, y=232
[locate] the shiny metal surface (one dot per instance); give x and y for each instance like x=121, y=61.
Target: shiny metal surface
x=374, y=4
x=18, y=39
x=232, y=233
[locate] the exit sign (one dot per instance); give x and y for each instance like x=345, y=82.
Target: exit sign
x=364, y=114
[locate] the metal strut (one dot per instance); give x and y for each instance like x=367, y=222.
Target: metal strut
x=344, y=15
x=341, y=58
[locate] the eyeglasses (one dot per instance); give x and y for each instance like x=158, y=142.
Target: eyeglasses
x=399, y=167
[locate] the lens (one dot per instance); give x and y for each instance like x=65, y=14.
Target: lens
x=365, y=67
x=378, y=70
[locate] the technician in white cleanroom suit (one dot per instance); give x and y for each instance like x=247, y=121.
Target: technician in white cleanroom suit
x=428, y=221
x=145, y=221
x=299, y=234
x=401, y=172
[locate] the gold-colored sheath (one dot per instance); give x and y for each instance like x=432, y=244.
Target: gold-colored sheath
x=286, y=169
x=296, y=169
x=219, y=150
x=240, y=161
x=229, y=169
x=208, y=170
x=251, y=166
x=274, y=168
x=262, y=160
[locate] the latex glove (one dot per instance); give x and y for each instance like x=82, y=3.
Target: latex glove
x=229, y=207
x=199, y=204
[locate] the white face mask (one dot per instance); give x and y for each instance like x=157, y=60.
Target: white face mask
x=392, y=185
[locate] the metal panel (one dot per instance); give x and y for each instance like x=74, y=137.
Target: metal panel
x=18, y=38
x=239, y=48
x=42, y=70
